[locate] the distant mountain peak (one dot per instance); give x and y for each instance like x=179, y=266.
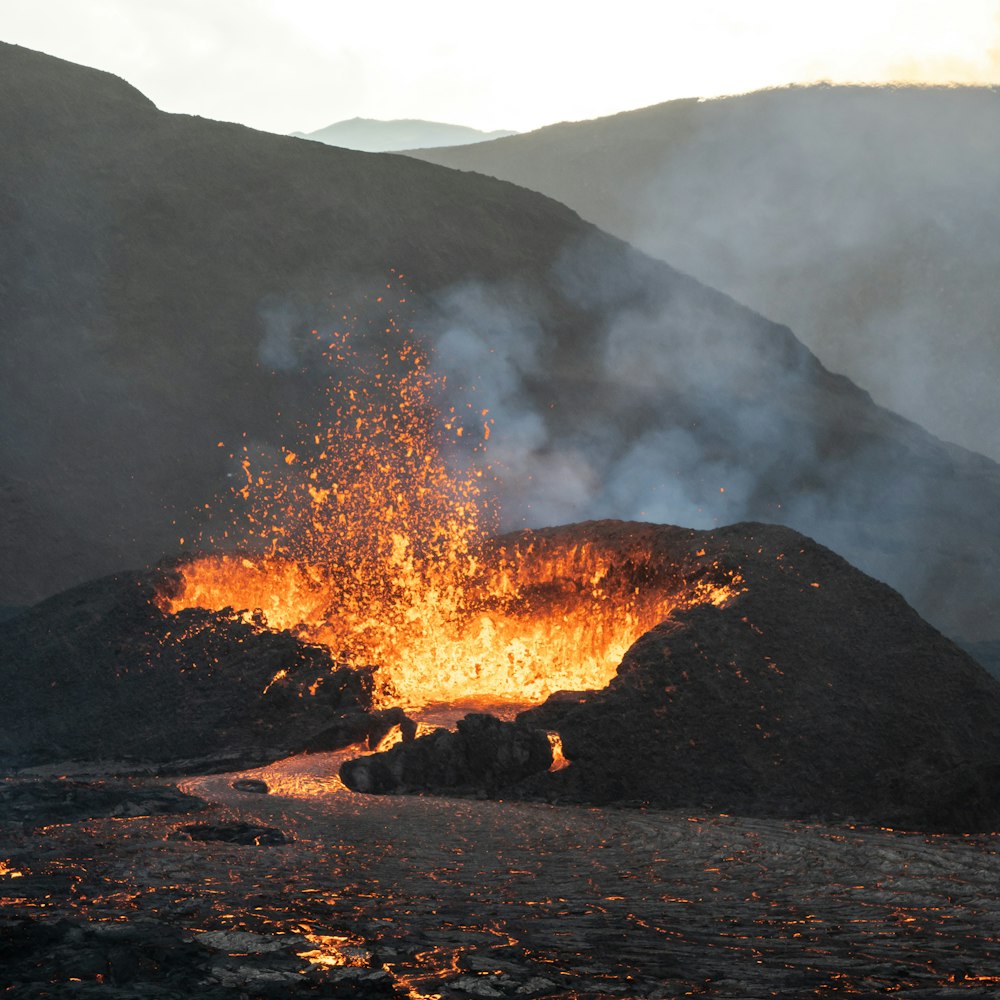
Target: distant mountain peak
x=373, y=135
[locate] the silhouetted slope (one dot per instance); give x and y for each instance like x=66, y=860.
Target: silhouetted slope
x=373, y=136
x=160, y=276
x=867, y=219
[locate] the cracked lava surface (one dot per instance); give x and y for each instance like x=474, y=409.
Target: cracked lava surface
x=459, y=897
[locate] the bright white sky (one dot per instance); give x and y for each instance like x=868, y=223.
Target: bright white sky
x=286, y=65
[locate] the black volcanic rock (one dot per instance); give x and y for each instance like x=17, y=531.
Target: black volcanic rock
x=248, y=834
x=39, y=802
x=132, y=959
x=101, y=673
x=483, y=756
x=161, y=275
x=253, y=785
x=151, y=958
x=816, y=692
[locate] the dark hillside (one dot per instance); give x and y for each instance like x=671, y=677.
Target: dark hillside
x=865, y=218
x=160, y=276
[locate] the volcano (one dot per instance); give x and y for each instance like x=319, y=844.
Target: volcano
x=163, y=275
x=316, y=363
x=814, y=691
x=762, y=674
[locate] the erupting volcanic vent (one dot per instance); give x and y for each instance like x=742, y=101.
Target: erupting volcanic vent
x=366, y=539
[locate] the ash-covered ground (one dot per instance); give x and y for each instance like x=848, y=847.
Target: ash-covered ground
x=420, y=897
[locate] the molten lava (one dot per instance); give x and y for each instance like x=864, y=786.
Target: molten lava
x=365, y=538
x=516, y=627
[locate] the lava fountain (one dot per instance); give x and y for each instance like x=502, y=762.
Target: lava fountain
x=372, y=537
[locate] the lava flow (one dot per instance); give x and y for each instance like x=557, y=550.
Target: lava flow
x=369, y=537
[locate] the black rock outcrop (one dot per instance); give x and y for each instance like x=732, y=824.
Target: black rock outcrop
x=357, y=726
x=39, y=802
x=483, y=756
x=99, y=672
x=147, y=957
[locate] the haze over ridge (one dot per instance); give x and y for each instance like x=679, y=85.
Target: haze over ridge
x=865, y=218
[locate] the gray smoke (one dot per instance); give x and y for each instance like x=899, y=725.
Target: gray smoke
x=490, y=346
x=652, y=418
x=284, y=342
x=680, y=406
x=866, y=219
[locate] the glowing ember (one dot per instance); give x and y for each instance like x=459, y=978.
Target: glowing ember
x=334, y=950
x=6, y=871
x=371, y=543
x=559, y=760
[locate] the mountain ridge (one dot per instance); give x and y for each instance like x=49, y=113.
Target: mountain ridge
x=375, y=135
x=162, y=276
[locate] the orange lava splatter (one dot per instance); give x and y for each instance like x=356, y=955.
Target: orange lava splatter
x=369, y=537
